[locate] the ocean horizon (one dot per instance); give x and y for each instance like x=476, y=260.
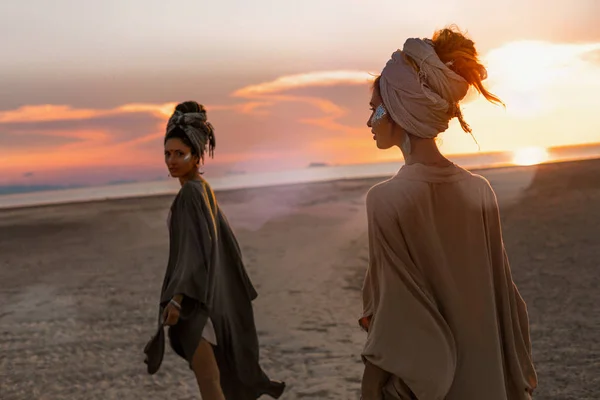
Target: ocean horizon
x=315, y=172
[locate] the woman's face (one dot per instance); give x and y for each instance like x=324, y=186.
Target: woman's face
x=179, y=158
x=385, y=132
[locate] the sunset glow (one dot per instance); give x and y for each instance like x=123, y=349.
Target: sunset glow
x=530, y=156
x=530, y=76
x=285, y=84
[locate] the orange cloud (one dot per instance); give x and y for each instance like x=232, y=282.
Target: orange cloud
x=50, y=112
x=270, y=93
x=97, y=136
x=161, y=110
x=258, y=98
x=69, y=155
x=129, y=135
x=312, y=79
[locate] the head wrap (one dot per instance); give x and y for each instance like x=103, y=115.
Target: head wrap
x=422, y=100
x=196, y=127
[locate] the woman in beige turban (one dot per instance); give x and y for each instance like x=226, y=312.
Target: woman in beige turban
x=206, y=297
x=444, y=319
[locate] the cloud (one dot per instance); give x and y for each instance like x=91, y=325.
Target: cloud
x=295, y=119
x=18, y=141
x=53, y=137
x=45, y=131
x=285, y=88
x=46, y=113
x=312, y=79
x=50, y=112
x=136, y=129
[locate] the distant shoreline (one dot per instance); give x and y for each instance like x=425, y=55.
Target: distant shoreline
x=233, y=190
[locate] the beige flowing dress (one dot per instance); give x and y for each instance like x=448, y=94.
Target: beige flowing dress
x=446, y=319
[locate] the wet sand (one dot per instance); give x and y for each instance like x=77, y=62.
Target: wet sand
x=79, y=285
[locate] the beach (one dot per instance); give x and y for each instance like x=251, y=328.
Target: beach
x=79, y=285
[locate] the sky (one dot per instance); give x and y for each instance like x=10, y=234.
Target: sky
x=87, y=86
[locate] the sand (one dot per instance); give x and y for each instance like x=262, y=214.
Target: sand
x=79, y=285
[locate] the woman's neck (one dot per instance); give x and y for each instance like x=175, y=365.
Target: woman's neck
x=424, y=151
x=192, y=176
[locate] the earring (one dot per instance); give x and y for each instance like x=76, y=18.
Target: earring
x=406, y=144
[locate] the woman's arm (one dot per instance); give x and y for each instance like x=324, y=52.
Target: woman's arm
x=190, y=250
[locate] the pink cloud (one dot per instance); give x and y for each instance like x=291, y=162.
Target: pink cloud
x=273, y=92
x=311, y=79
x=269, y=120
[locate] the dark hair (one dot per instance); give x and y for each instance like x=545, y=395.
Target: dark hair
x=178, y=133
x=188, y=107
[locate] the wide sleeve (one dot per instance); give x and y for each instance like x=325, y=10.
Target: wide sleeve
x=408, y=336
x=191, y=239
x=511, y=308
x=236, y=253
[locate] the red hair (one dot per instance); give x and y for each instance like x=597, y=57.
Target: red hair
x=451, y=45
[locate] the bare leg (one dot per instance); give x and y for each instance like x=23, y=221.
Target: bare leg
x=207, y=374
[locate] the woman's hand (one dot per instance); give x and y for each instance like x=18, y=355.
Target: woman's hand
x=170, y=315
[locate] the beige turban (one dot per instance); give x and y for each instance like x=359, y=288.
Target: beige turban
x=421, y=101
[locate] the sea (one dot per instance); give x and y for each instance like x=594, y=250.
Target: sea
x=312, y=173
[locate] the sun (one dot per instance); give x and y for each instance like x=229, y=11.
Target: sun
x=530, y=156
x=530, y=75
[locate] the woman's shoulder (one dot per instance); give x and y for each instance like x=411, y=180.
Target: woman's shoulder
x=481, y=183
x=191, y=192
x=392, y=188
x=387, y=194
x=379, y=190
x=197, y=187
x=397, y=191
